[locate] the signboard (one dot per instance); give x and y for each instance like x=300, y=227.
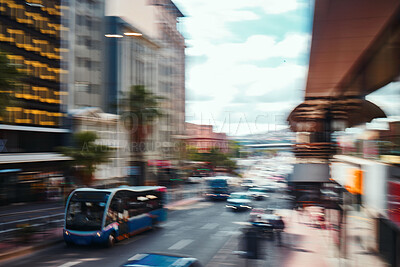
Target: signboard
x=310, y=172
x=355, y=181
x=394, y=201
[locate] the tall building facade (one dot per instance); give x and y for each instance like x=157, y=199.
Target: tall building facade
x=85, y=41
x=32, y=126
x=146, y=48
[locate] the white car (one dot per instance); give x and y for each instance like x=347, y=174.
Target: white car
x=195, y=179
x=247, y=183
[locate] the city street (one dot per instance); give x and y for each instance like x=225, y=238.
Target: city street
x=199, y=230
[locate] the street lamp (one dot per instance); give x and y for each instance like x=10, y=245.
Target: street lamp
x=113, y=35
x=138, y=34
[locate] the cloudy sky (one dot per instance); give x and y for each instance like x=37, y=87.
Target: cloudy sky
x=246, y=61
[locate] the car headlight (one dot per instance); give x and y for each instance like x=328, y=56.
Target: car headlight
x=98, y=234
x=66, y=232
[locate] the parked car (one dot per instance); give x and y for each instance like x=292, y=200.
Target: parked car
x=161, y=260
x=259, y=211
x=239, y=201
x=270, y=188
x=266, y=222
x=194, y=179
x=247, y=183
x=258, y=193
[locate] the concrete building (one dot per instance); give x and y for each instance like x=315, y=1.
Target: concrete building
x=85, y=58
x=203, y=138
x=32, y=127
x=111, y=133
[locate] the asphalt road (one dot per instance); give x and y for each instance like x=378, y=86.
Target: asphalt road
x=198, y=230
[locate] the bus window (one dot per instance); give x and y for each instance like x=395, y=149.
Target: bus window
x=85, y=213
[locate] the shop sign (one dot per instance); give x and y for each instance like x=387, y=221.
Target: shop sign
x=159, y=163
x=355, y=181
x=394, y=201
x=392, y=159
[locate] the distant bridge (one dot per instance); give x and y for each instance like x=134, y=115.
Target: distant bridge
x=281, y=146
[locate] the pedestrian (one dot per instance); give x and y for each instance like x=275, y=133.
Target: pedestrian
x=279, y=228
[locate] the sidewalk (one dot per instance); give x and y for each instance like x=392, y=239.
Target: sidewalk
x=13, y=247
x=303, y=246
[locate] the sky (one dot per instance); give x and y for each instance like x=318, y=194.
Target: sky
x=246, y=61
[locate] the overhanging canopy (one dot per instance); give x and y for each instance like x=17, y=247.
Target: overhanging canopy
x=355, y=47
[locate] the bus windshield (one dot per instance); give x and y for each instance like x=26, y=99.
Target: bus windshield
x=218, y=183
x=85, y=211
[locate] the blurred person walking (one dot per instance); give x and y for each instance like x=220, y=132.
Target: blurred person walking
x=279, y=228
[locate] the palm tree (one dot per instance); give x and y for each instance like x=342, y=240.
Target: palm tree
x=9, y=77
x=87, y=155
x=140, y=110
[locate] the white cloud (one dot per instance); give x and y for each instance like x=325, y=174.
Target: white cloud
x=255, y=48
x=230, y=71
x=207, y=18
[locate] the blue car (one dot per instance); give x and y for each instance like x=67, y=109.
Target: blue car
x=239, y=201
x=161, y=260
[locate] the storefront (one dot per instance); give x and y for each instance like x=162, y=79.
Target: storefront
x=30, y=178
x=369, y=216
x=389, y=227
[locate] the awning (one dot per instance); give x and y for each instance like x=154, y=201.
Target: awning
x=7, y=158
x=305, y=117
x=355, y=47
x=33, y=129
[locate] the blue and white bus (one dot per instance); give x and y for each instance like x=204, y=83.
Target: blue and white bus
x=104, y=216
x=217, y=188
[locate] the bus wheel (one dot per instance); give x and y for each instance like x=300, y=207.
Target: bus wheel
x=111, y=241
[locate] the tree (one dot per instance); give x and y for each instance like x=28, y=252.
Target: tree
x=234, y=149
x=140, y=109
x=87, y=155
x=9, y=77
x=215, y=158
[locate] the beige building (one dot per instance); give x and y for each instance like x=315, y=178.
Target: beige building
x=154, y=57
x=110, y=133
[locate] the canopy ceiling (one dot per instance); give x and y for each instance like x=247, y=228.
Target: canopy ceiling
x=355, y=47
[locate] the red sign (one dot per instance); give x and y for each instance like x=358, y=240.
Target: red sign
x=159, y=163
x=394, y=201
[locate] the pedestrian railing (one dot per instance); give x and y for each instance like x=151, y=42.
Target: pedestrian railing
x=23, y=229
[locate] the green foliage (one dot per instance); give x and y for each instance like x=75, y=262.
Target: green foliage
x=143, y=104
x=214, y=157
x=9, y=77
x=234, y=149
x=86, y=154
x=140, y=109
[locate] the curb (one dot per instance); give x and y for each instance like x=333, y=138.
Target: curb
x=28, y=250
x=183, y=202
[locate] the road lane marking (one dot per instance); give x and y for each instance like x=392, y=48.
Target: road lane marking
x=181, y=244
x=132, y=239
x=221, y=234
x=242, y=223
x=92, y=259
x=209, y=226
x=171, y=223
x=70, y=263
